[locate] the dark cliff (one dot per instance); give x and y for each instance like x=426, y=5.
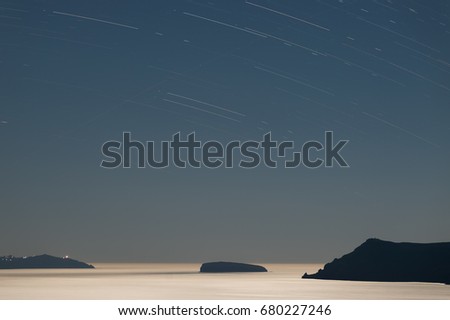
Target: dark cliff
x=378, y=260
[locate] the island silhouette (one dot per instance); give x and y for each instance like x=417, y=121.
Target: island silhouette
x=41, y=262
x=379, y=260
x=221, y=266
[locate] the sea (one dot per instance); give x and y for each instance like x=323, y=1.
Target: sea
x=142, y=281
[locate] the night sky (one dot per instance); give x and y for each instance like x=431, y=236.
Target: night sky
x=74, y=74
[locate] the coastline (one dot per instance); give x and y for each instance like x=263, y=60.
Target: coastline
x=141, y=281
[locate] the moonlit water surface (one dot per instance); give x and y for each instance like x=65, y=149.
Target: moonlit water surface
x=183, y=281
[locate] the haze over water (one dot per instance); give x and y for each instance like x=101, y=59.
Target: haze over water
x=183, y=281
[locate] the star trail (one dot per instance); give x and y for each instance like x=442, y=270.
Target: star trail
x=77, y=74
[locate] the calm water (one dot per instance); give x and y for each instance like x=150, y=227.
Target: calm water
x=182, y=281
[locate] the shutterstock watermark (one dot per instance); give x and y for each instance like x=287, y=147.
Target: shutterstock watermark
x=214, y=154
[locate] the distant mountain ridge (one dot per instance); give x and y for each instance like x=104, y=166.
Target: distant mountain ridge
x=40, y=262
x=379, y=260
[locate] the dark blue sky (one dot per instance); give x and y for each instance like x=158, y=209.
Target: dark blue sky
x=78, y=73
